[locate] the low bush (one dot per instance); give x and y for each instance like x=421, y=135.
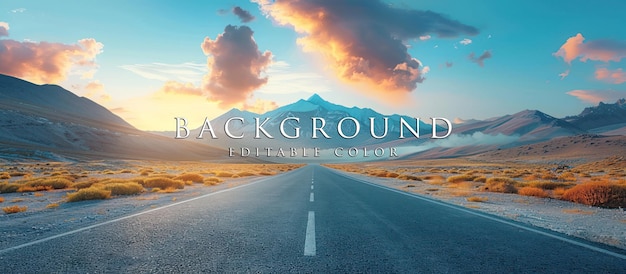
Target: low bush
x=9, y=187
x=602, y=194
x=192, y=177
x=532, y=191
x=408, y=177
x=14, y=209
x=211, y=181
x=59, y=182
x=128, y=188
x=548, y=185
x=500, y=184
x=163, y=183
x=33, y=188
x=5, y=176
x=223, y=174
x=91, y=193
x=477, y=199
x=1, y=199
x=460, y=178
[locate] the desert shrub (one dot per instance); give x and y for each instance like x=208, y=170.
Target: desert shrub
x=52, y=205
x=223, y=174
x=163, y=183
x=14, y=209
x=245, y=174
x=602, y=194
x=167, y=190
x=125, y=171
x=408, y=177
x=548, y=185
x=53, y=182
x=85, y=184
x=128, y=188
x=1, y=199
x=567, y=176
x=480, y=179
x=33, y=188
x=18, y=173
x=532, y=191
x=432, y=177
x=500, y=184
x=267, y=173
x=91, y=193
x=192, y=177
x=4, y=176
x=9, y=187
x=460, y=178
x=212, y=181
x=559, y=191
x=38, y=194
x=392, y=175
x=477, y=199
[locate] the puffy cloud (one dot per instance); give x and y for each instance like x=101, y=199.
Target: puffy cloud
x=598, y=50
x=4, y=29
x=235, y=64
x=364, y=41
x=46, y=62
x=596, y=96
x=181, y=88
x=260, y=106
x=243, y=15
x=465, y=41
x=19, y=10
x=617, y=76
x=480, y=59
x=425, y=37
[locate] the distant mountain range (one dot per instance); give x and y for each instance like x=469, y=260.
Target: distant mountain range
x=49, y=122
x=305, y=110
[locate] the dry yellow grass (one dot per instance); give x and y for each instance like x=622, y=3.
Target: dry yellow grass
x=14, y=209
x=191, y=177
x=477, y=199
x=211, y=181
x=460, y=178
x=532, y=191
x=500, y=184
x=38, y=194
x=17, y=200
x=9, y=187
x=1, y=199
x=5, y=176
x=91, y=193
x=52, y=205
x=163, y=183
x=33, y=188
x=127, y=188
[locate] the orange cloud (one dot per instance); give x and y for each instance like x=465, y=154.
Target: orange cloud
x=235, y=64
x=94, y=86
x=181, y=88
x=46, y=62
x=617, y=76
x=364, y=41
x=260, y=106
x=598, y=50
x=597, y=96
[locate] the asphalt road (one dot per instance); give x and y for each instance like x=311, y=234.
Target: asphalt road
x=310, y=220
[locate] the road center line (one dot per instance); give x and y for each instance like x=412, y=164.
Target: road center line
x=309, y=239
x=312, y=187
x=311, y=197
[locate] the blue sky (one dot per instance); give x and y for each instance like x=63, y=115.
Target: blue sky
x=147, y=44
